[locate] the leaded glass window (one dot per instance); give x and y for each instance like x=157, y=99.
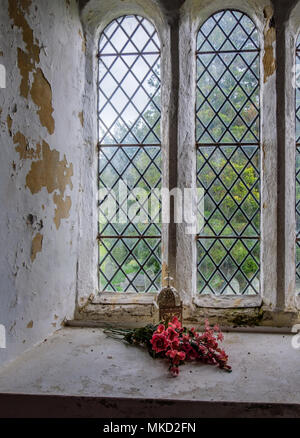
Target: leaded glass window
x=228, y=154
x=297, y=166
x=129, y=95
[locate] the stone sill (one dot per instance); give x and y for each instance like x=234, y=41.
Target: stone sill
x=228, y=302
x=109, y=298
x=82, y=362
x=135, y=310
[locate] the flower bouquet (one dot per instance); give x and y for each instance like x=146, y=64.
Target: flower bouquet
x=178, y=344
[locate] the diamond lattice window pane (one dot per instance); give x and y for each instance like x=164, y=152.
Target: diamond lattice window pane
x=131, y=73
x=228, y=161
x=129, y=157
x=228, y=266
x=130, y=265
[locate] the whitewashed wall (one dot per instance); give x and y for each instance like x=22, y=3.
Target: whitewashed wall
x=42, y=48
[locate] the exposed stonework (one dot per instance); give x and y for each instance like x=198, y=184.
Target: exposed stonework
x=130, y=315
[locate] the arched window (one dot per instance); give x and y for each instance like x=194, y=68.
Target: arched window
x=228, y=148
x=129, y=156
x=297, y=166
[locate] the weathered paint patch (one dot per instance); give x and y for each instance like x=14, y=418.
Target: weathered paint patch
x=83, y=48
x=16, y=11
x=23, y=149
x=9, y=122
x=41, y=94
x=37, y=246
x=269, y=61
x=26, y=4
x=50, y=172
x=25, y=67
x=81, y=118
x=54, y=175
x=40, y=90
x=63, y=207
x=26, y=61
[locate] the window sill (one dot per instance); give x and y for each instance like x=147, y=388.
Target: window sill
x=124, y=298
x=137, y=310
x=108, y=368
x=227, y=302
x=210, y=301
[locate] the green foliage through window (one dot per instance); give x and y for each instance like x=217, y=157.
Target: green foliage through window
x=228, y=157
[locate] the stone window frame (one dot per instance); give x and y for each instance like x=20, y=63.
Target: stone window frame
x=291, y=30
x=177, y=33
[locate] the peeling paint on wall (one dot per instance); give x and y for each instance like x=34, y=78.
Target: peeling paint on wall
x=34, y=162
x=62, y=210
x=9, y=122
x=81, y=118
x=23, y=149
x=26, y=60
x=41, y=94
x=37, y=246
x=26, y=4
x=49, y=172
x=25, y=67
x=40, y=90
x=55, y=175
x=269, y=61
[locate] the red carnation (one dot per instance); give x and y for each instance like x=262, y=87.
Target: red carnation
x=172, y=334
x=160, y=328
x=175, y=344
x=175, y=323
x=176, y=356
x=159, y=342
x=171, y=354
